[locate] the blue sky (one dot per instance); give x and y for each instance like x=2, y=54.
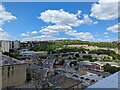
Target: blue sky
x=51, y=21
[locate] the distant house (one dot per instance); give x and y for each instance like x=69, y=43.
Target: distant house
x=90, y=65
x=95, y=56
x=26, y=52
x=111, y=63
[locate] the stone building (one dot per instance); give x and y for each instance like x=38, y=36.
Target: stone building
x=12, y=72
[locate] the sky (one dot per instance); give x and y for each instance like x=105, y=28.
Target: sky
x=87, y=21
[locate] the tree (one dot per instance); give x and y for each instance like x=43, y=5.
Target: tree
x=77, y=55
x=89, y=57
x=73, y=63
x=110, y=69
x=80, y=59
x=61, y=62
x=101, y=51
x=93, y=60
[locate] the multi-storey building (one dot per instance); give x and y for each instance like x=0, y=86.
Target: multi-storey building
x=16, y=44
x=5, y=46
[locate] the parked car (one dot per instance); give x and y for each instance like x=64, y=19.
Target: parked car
x=75, y=75
x=87, y=79
x=81, y=77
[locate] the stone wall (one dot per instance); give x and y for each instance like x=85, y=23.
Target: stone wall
x=13, y=75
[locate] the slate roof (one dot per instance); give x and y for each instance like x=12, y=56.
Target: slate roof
x=6, y=60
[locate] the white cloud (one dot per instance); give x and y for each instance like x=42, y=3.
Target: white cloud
x=114, y=28
x=40, y=38
x=55, y=29
x=96, y=22
x=28, y=33
x=34, y=32
x=5, y=16
x=105, y=33
x=60, y=17
x=81, y=35
x=106, y=36
x=25, y=34
x=105, y=9
x=61, y=38
x=79, y=13
x=4, y=35
x=63, y=22
x=87, y=19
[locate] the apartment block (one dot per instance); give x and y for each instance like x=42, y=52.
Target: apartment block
x=5, y=46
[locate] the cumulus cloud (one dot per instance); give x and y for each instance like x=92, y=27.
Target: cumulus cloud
x=25, y=34
x=81, y=35
x=28, y=33
x=105, y=9
x=64, y=22
x=4, y=35
x=34, y=32
x=106, y=36
x=60, y=17
x=5, y=16
x=105, y=33
x=114, y=28
x=61, y=38
x=79, y=13
x=40, y=38
x=55, y=29
x=87, y=19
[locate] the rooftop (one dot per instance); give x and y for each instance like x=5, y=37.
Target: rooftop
x=63, y=81
x=6, y=60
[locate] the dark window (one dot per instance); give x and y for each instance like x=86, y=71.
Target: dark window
x=8, y=71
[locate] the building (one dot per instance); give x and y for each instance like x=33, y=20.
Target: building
x=5, y=46
x=115, y=64
x=63, y=82
x=13, y=72
x=90, y=65
x=95, y=56
x=16, y=44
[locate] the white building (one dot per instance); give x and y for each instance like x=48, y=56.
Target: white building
x=5, y=46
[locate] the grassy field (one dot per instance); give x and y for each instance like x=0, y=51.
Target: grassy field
x=41, y=52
